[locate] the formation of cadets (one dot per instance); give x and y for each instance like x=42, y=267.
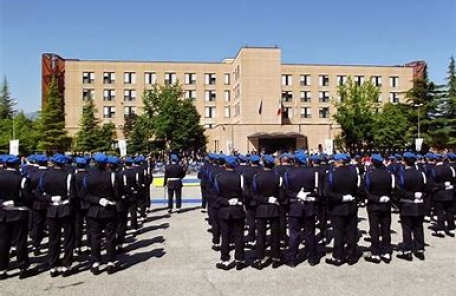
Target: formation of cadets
x=63, y=198
x=295, y=196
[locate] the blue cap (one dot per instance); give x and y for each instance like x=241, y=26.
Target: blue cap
x=81, y=160
x=212, y=156
x=254, y=159
x=377, y=158
x=174, y=157
x=242, y=158
x=419, y=156
x=11, y=159
x=2, y=158
x=268, y=159
x=451, y=155
x=128, y=160
x=59, y=158
x=438, y=156
x=231, y=161
x=315, y=158
x=409, y=155
x=300, y=157
x=398, y=156
x=40, y=158
x=113, y=160
x=140, y=159
x=100, y=157
x=339, y=156
x=31, y=158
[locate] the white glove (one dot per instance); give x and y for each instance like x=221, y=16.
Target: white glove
x=272, y=200
x=347, y=198
x=233, y=201
x=309, y=198
x=448, y=186
x=384, y=199
x=57, y=198
x=8, y=204
x=103, y=202
x=301, y=194
x=418, y=195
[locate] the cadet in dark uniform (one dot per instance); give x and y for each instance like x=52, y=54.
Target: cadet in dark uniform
x=301, y=189
x=213, y=170
x=56, y=187
x=142, y=187
x=267, y=195
x=174, y=173
x=128, y=177
x=13, y=217
x=318, y=162
x=231, y=214
x=202, y=175
x=341, y=186
x=412, y=192
x=285, y=165
x=101, y=191
x=80, y=206
x=39, y=209
x=443, y=184
x=379, y=184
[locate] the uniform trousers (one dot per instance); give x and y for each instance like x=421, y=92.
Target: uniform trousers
x=79, y=218
x=322, y=219
x=8, y=230
x=251, y=224
x=178, y=193
x=283, y=209
x=214, y=222
x=38, y=226
x=97, y=225
x=296, y=226
x=55, y=226
x=412, y=225
x=133, y=211
x=445, y=213
x=232, y=228
x=203, y=197
x=380, y=226
x=122, y=219
x=345, y=232
x=262, y=223
x=142, y=204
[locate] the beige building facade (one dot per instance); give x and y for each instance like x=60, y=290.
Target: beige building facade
x=250, y=102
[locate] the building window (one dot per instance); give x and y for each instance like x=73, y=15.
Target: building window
x=324, y=80
x=170, y=78
x=109, y=77
x=109, y=94
x=237, y=91
x=129, y=78
x=394, y=81
x=190, y=78
x=287, y=96
x=88, y=94
x=226, y=79
x=287, y=112
x=341, y=79
x=305, y=96
x=109, y=112
x=227, y=95
x=304, y=80
x=287, y=80
x=359, y=80
x=324, y=112
x=209, y=78
x=306, y=112
x=129, y=95
x=394, y=97
x=209, y=112
x=210, y=95
x=190, y=95
x=237, y=109
x=227, y=112
x=323, y=97
x=377, y=81
x=88, y=77
x=237, y=73
x=129, y=110
x=150, y=78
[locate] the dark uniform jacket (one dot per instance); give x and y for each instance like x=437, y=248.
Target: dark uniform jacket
x=101, y=184
x=409, y=182
x=296, y=179
x=79, y=176
x=339, y=182
x=442, y=173
x=266, y=183
x=247, y=175
x=280, y=171
x=12, y=188
x=212, y=172
x=129, y=179
x=228, y=185
x=33, y=177
x=174, y=173
x=379, y=182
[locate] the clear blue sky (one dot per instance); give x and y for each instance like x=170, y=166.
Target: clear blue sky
x=385, y=32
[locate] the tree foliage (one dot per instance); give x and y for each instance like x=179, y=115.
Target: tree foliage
x=6, y=102
x=391, y=127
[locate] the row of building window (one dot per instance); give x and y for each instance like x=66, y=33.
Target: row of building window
x=323, y=97
x=306, y=80
x=150, y=78
x=305, y=112
x=110, y=111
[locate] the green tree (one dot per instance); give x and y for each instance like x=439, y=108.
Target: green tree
x=129, y=123
x=6, y=102
x=392, y=128
x=107, y=134
x=52, y=134
x=355, y=113
x=451, y=99
x=139, y=136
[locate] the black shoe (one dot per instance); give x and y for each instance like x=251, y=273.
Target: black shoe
x=257, y=264
x=216, y=247
x=224, y=265
x=334, y=261
x=36, y=252
x=111, y=268
x=95, y=270
x=276, y=264
x=439, y=233
x=450, y=233
x=66, y=272
x=313, y=261
x=240, y=265
x=291, y=263
x=3, y=276
x=405, y=256
x=386, y=258
x=54, y=272
x=373, y=259
x=352, y=260
x=420, y=255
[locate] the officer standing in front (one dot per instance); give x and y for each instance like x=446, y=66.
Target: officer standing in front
x=80, y=206
x=174, y=173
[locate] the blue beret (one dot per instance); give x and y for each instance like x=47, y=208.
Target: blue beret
x=40, y=158
x=242, y=158
x=409, y=155
x=231, y=161
x=451, y=155
x=174, y=157
x=113, y=160
x=254, y=159
x=2, y=158
x=59, y=158
x=128, y=160
x=398, y=156
x=11, y=159
x=377, y=158
x=212, y=156
x=315, y=158
x=339, y=156
x=100, y=157
x=438, y=156
x=31, y=158
x=300, y=157
x=81, y=160
x=268, y=159
x=139, y=159
x=419, y=156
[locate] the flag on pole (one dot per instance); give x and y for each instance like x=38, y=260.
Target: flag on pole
x=260, y=108
x=280, y=110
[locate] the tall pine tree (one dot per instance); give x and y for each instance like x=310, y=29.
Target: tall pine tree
x=451, y=100
x=6, y=102
x=88, y=137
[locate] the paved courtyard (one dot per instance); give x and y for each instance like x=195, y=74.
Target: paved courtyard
x=172, y=256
